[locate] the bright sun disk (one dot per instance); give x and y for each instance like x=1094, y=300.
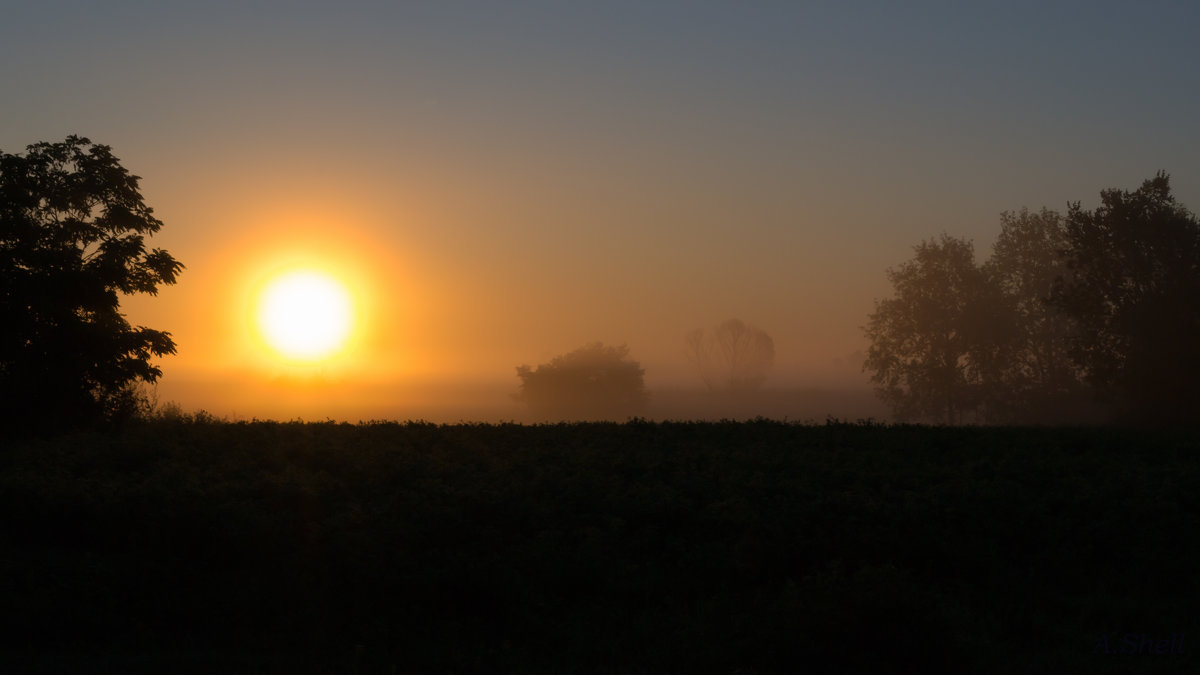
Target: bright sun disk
x=305, y=315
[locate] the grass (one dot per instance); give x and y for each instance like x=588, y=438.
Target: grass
x=752, y=547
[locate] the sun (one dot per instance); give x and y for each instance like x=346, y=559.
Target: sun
x=305, y=315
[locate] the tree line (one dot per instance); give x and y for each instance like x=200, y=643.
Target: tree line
x=1084, y=317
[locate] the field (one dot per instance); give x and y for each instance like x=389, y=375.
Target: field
x=195, y=546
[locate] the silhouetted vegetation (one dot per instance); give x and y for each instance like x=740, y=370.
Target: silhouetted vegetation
x=195, y=546
x=1134, y=291
x=733, y=358
x=72, y=238
x=928, y=344
x=1035, y=378
x=1091, y=317
x=593, y=382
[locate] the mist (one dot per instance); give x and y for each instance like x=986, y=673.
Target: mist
x=836, y=389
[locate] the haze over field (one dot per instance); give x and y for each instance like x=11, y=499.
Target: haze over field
x=496, y=184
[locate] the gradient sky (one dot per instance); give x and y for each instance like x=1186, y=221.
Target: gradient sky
x=502, y=182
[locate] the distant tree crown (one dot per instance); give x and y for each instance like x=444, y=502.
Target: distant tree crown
x=592, y=382
x=734, y=357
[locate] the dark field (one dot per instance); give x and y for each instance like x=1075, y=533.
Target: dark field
x=754, y=547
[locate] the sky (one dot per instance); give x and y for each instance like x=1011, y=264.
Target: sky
x=500, y=183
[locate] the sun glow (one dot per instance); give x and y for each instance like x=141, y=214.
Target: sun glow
x=305, y=315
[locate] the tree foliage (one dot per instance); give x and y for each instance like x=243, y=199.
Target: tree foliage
x=73, y=226
x=1101, y=304
x=592, y=382
x=1037, y=381
x=937, y=342
x=1134, y=291
x=734, y=357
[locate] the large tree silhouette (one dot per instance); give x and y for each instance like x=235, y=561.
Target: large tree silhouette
x=1134, y=290
x=72, y=240
x=1037, y=381
x=945, y=335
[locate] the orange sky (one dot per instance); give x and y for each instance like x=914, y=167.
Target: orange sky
x=502, y=183
x=446, y=299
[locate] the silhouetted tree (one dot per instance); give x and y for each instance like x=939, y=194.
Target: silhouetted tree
x=1036, y=380
x=72, y=238
x=592, y=382
x=1134, y=290
x=734, y=357
x=945, y=334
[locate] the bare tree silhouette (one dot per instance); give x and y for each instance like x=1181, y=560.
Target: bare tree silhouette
x=734, y=357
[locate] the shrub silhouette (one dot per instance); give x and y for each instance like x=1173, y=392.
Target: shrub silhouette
x=592, y=382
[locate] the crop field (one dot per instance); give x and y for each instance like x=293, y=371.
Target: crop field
x=195, y=545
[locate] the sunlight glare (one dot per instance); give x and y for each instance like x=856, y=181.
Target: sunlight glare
x=305, y=315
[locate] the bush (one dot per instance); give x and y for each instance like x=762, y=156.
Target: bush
x=593, y=382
